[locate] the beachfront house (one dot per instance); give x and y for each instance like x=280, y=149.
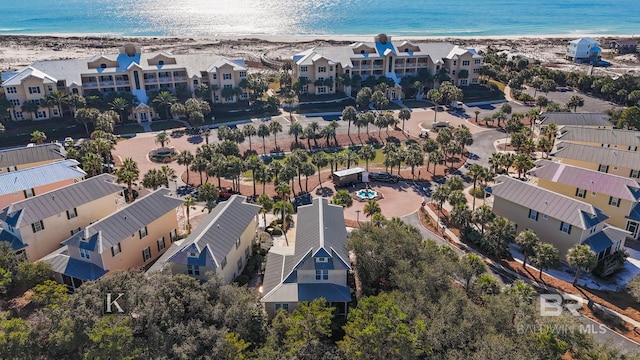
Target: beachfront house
x=315, y=267
x=36, y=226
x=558, y=219
x=26, y=183
x=608, y=138
x=320, y=68
x=605, y=159
x=624, y=46
x=130, y=71
x=30, y=156
x=131, y=238
x=584, y=50
x=616, y=196
x=220, y=245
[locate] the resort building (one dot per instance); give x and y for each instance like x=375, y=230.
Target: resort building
x=321, y=66
x=36, y=226
x=130, y=238
x=616, y=196
x=131, y=71
x=30, y=156
x=555, y=218
x=316, y=267
x=608, y=138
x=584, y=50
x=608, y=160
x=221, y=244
x=26, y=183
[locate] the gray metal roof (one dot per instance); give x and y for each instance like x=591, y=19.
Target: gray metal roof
x=557, y=206
x=104, y=234
x=579, y=119
x=57, y=201
x=217, y=234
x=599, y=135
x=62, y=263
x=606, y=237
x=346, y=172
x=31, y=154
x=597, y=155
x=34, y=177
x=591, y=180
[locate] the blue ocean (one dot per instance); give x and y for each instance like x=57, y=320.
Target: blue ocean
x=315, y=17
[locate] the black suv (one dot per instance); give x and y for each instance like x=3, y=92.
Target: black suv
x=385, y=177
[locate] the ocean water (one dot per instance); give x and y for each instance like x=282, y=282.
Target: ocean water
x=314, y=17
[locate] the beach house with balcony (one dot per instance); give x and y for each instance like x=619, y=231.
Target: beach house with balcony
x=131, y=238
x=321, y=67
x=220, y=245
x=315, y=267
x=36, y=226
x=584, y=50
x=130, y=71
x=608, y=138
x=605, y=159
x=30, y=156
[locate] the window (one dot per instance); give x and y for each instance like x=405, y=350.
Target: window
x=474, y=80
x=195, y=82
x=146, y=254
x=322, y=69
x=173, y=235
x=592, y=229
x=322, y=89
x=635, y=174
x=238, y=243
x=161, y=63
x=214, y=76
x=161, y=245
x=223, y=263
x=239, y=265
x=226, y=76
x=477, y=61
x=29, y=193
x=34, y=90
x=227, y=86
x=322, y=274
x=453, y=72
x=455, y=62
x=330, y=68
x=75, y=91
x=103, y=66
x=603, y=168
x=545, y=217
x=284, y=307
x=243, y=74
x=72, y=213
x=55, y=112
x=116, y=249
x=41, y=114
x=19, y=115
x=193, y=270
x=581, y=193
x=37, y=226
x=84, y=253
x=12, y=90
x=15, y=102
x=476, y=71
x=533, y=215
x=143, y=232
x=565, y=227
x=322, y=260
x=75, y=231
x=302, y=69
x=614, y=201
x=463, y=82
x=465, y=63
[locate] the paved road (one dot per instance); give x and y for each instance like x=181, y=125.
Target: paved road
x=608, y=337
x=482, y=146
x=414, y=220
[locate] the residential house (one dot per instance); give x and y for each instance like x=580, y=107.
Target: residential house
x=221, y=244
x=322, y=66
x=30, y=156
x=616, y=196
x=557, y=219
x=608, y=138
x=624, y=46
x=584, y=50
x=130, y=71
x=588, y=120
x=608, y=160
x=26, y=183
x=37, y=225
x=316, y=266
x=132, y=237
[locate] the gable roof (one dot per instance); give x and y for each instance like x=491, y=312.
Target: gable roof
x=217, y=234
x=576, y=118
x=591, y=180
x=42, y=206
x=109, y=231
x=34, y=177
x=597, y=155
x=62, y=263
x=31, y=154
x=557, y=206
x=19, y=77
x=599, y=135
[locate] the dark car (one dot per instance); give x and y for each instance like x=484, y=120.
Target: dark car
x=385, y=177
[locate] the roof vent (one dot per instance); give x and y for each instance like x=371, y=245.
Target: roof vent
x=125, y=217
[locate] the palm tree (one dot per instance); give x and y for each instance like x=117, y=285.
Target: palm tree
x=350, y=115
x=436, y=97
x=476, y=112
x=249, y=131
x=31, y=107
x=501, y=232
x=460, y=215
x=371, y=207
x=482, y=216
x=263, y=132
x=75, y=101
x=162, y=138
x=128, y=173
x=152, y=179
x=522, y=164
x=275, y=127
x=185, y=157
x=311, y=132
x=92, y=163
x=168, y=174
x=283, y=208
x=475, y=171
x=582, y=258
x=342, y=198
x=528, y=241
x=283, y=190
x=440, y=196
x=164, y=99
x=350, y=156
x=296, y=130
x=367, y=153
x=546, y=256
x=38, y=137
x=404, y=115
x=233, y=169
x=85, y=116
x=209, y=194
x=414, y=158
x=575, y=101
x=120, y=105
x=199, y=165
x=319, y=159
x=544, y=146
x=188, y=203
x=307, y=170
x=57, y=98
x=267, y=204
x=253, y=163
x=275, y=168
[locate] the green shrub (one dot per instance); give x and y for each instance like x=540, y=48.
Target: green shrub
x=242, y=280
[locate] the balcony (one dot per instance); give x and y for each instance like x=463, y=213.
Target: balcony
x=377, y=66
x=122, y=82
x=106, y=83
x=90, y=84
x=165, y=79
x=151, y=80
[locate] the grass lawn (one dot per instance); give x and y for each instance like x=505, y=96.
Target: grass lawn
x=477, y=93
x=19, y=133
x=393, y=106
x=498, y=84
x=237, y=116
x=165, y=125
x=416, y=104
x=128, y=129
x=328, y=107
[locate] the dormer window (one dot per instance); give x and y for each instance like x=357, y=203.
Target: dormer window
x=103, y=66
x=161, y=63
x=406, y=50
x=193, y=255
x=322, y=260
x=362, y=52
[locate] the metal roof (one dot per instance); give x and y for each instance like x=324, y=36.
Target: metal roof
x=599, y=135
x=591, y=180
x=16, y=243
x=557, y=206
x=31, y=154
x=578, y=119
x=109, y=231
x=347, y=172
x=606, y=237
x=34, y=177
x=42, y=206
x=62, y=263
x=597, y=155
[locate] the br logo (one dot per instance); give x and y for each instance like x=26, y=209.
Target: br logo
x=553, y=304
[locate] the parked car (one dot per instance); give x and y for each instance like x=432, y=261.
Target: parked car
x=384, y=177
x=440, y=125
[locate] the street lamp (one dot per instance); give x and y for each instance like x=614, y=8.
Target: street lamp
x=358, y=216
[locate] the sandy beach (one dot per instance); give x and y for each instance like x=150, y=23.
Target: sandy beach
x=18, y=51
